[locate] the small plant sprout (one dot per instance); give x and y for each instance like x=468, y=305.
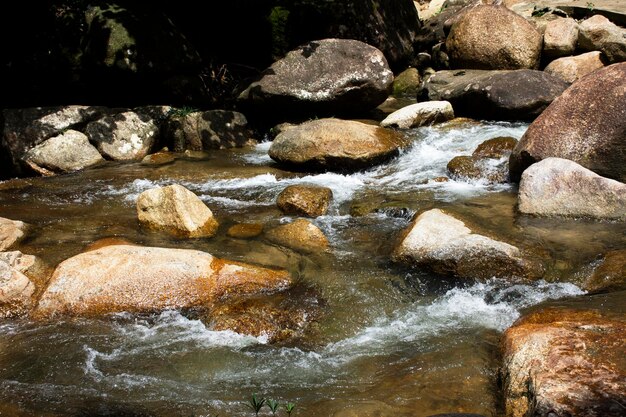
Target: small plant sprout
x=256, y=405
x=289, y=408
x=273, y=405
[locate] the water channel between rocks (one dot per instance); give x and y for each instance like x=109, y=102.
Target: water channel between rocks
x=386, y=340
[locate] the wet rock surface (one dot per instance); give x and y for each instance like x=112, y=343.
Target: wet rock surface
x=310, y=201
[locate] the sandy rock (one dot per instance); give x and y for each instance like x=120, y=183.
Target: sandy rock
x=68, y=152
x=123, y=137
x=335, y=145
x=142, y=279
x=573, y=68
x=566, y=363
x=600, y=34
x=16, y=292
x=11, y=232
x=559, y=187
x=560, y=38
x=305, y=200
x=176, y=210
x=420, y=114
x=448, y=246
x=300, y=235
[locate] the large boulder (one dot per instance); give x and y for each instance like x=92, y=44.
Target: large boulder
x=447, y=246
x=493, y=37
x=560, y=37
x=600, y=34
x=586, y=124
x=560, y=187
x=335, y=145
x=305, y=200
x=213, y=129
x=300, y=235
x=501, y=95
x=68, y=152
x=328, y=76
x=572, y=68
x=176, y=210
x=26, y=128
x=139, y=279
x=125, y=136
x=11, y=232
x=16, y=292
x=565, y=363
x=420, y=114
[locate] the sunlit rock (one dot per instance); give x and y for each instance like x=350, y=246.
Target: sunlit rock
x=305, y=200
x=11, y=232
x=420, y=114
x=300, y=235
x=124, y=136
x=16, y=291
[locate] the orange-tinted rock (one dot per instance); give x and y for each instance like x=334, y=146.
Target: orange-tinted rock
x=245, y=230
x=305, y=200
x=11, y=232
x=16, y=292
x=299, y=235
x=608, y=274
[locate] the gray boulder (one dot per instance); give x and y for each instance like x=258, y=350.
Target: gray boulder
x=586, y=124
x=600, y=34
x=559, y=187
x=326, y=76
x=123, y=137
x=68, y=152
x=500, y=95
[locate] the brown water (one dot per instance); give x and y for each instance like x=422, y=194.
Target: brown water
x=384, y=341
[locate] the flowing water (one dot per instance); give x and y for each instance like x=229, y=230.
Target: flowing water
x=383, y=340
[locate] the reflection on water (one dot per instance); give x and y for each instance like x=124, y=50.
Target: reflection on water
x=389, y=341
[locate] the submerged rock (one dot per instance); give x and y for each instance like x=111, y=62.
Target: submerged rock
x=139, y=279
x=328, y=76
x=305, y=200
x=68, y=152
x=448, y=246
x=176, y=210
x=11, y=232
x=566, y=363
x=245, y=230
x=16, y=292
x=335, y=145
x=573, y=68
x=420, y=114
x=586, y=124
x=560, y=187
x=608, y=273
x=300, y=235
x=159, y=158
x=123, y=137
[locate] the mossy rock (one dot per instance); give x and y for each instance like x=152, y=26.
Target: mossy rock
x=407, y=83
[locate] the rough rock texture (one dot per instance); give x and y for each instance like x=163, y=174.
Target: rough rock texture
x=586, y=124
x=490, y=170
x=600, y=34
x=560, y=187
x=496, y=147
x=29, y=265
x=123, y=137
x=68, y=152
x=565, y=363
x=305, y=200
x=159, y=158
x=446, y=245
x=493, y=37
x=420, y=114
x=27, y=128
x=407, y=83
x=572, y=68
x=176, y=210
x=335, y=145
x=502, y=95
x=300, y=235
x=16, y=292
x=607, y=273
x=142, y=279
x=323, y=77
x=213, y=129
x=11, y=231
x=560, y=38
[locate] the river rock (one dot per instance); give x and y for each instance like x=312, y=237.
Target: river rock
x=608, y=273
x=305, y=200
x=493, y=37
x=16, y=292
x=501, y=95
x=560, y=37
x=447, y=246
x=124, y=136
x=213, y=129
x=407, y=83
x=600, y=34
x=565, y=363
x=328, y=76
x=572, y=68
x=176, y=210
x=147, y=279
x=560, y=187
x=68, y=152
x=159, y=158
x=499, y=147
x=11, y=232
x=335, y=145
x=27, y=128
x=245, y=230
x=300, y=235
x=420, y=114
x=29, y=265
x=478, y=168
x=586, y=124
